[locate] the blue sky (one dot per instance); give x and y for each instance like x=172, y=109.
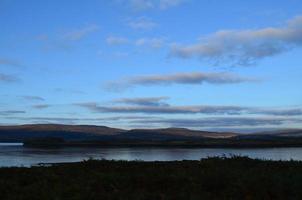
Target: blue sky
x=201, y=64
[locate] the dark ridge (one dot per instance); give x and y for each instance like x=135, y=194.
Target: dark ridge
x=87, y=135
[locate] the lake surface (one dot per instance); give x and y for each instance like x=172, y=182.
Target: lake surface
x=14, y=154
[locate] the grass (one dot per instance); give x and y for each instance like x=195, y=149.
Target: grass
x=212, y=178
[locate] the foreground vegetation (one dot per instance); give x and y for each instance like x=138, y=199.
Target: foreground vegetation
x=212, y=178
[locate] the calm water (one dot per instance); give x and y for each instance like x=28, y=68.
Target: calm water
x=14, y=154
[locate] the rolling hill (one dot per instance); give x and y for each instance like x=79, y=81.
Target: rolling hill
x=88, y=132
x=102, y=135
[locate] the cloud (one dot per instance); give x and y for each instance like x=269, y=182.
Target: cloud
x=164, y=4
x=8, y=78
x=80, y=33
x=32, y=98
x=9, y=62
x=142, y=23
x=57, y=45
x=141, y=42
x=120, y=54
x=194, y=78
x=215, y=122
x=140, y=5
x=164, y=109
x=156, y=105
x=116, y=40
x=284, y=112
x=65, y=41
x=122, y=118
x=74, y=120
x=37, y=120
x=202, y=123
x=11, y=112
x=150, y=42
x=42, y=37
x=146, y=101
x=69, y=91
x=41, y=106
x=244, y=47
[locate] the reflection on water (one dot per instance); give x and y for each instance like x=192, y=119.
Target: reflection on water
x=14, y=154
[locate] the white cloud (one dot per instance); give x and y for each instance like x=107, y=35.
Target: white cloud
x=164, y=4
x=157, y=106
x=140, y=5
x=150, y=42
x=111, y=40
x=143, y=101
x=80, y=33
x=193, y=78
x=244, y=47
x=220, y=122
x=142, y=23
x=120, y=54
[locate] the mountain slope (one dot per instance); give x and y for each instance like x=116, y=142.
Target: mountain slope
x=87, y=132
x=176, y=133
x=67, y=132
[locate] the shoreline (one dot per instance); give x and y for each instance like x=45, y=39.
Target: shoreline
x=173, y=144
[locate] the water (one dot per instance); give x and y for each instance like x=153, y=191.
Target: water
x=14, y=154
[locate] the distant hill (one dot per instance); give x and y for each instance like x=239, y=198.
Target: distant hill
x=175, y=133
x=71, y=133
x=100, y=130
x=66, y=132
x=89, y=132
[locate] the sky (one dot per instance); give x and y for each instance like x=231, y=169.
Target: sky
x=199, y=64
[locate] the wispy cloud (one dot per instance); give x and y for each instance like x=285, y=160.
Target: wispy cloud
x=165, y=4
x=80, y=33
x=41, y=106
x=140, y=5
x=11, y=112
x=279, y=112
x=150, y=42
x=142, y=23
x=32, y=98
x=194, y=78
x=10, y=62
x=75, y=120
x=6, y=78
x=143, y=101
x=112, y=40
x=65, y=40
x=157, y=106
x=141, y=42
x=219, y=122
x=164, y=109
x=68, y=91
x=244, y=47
